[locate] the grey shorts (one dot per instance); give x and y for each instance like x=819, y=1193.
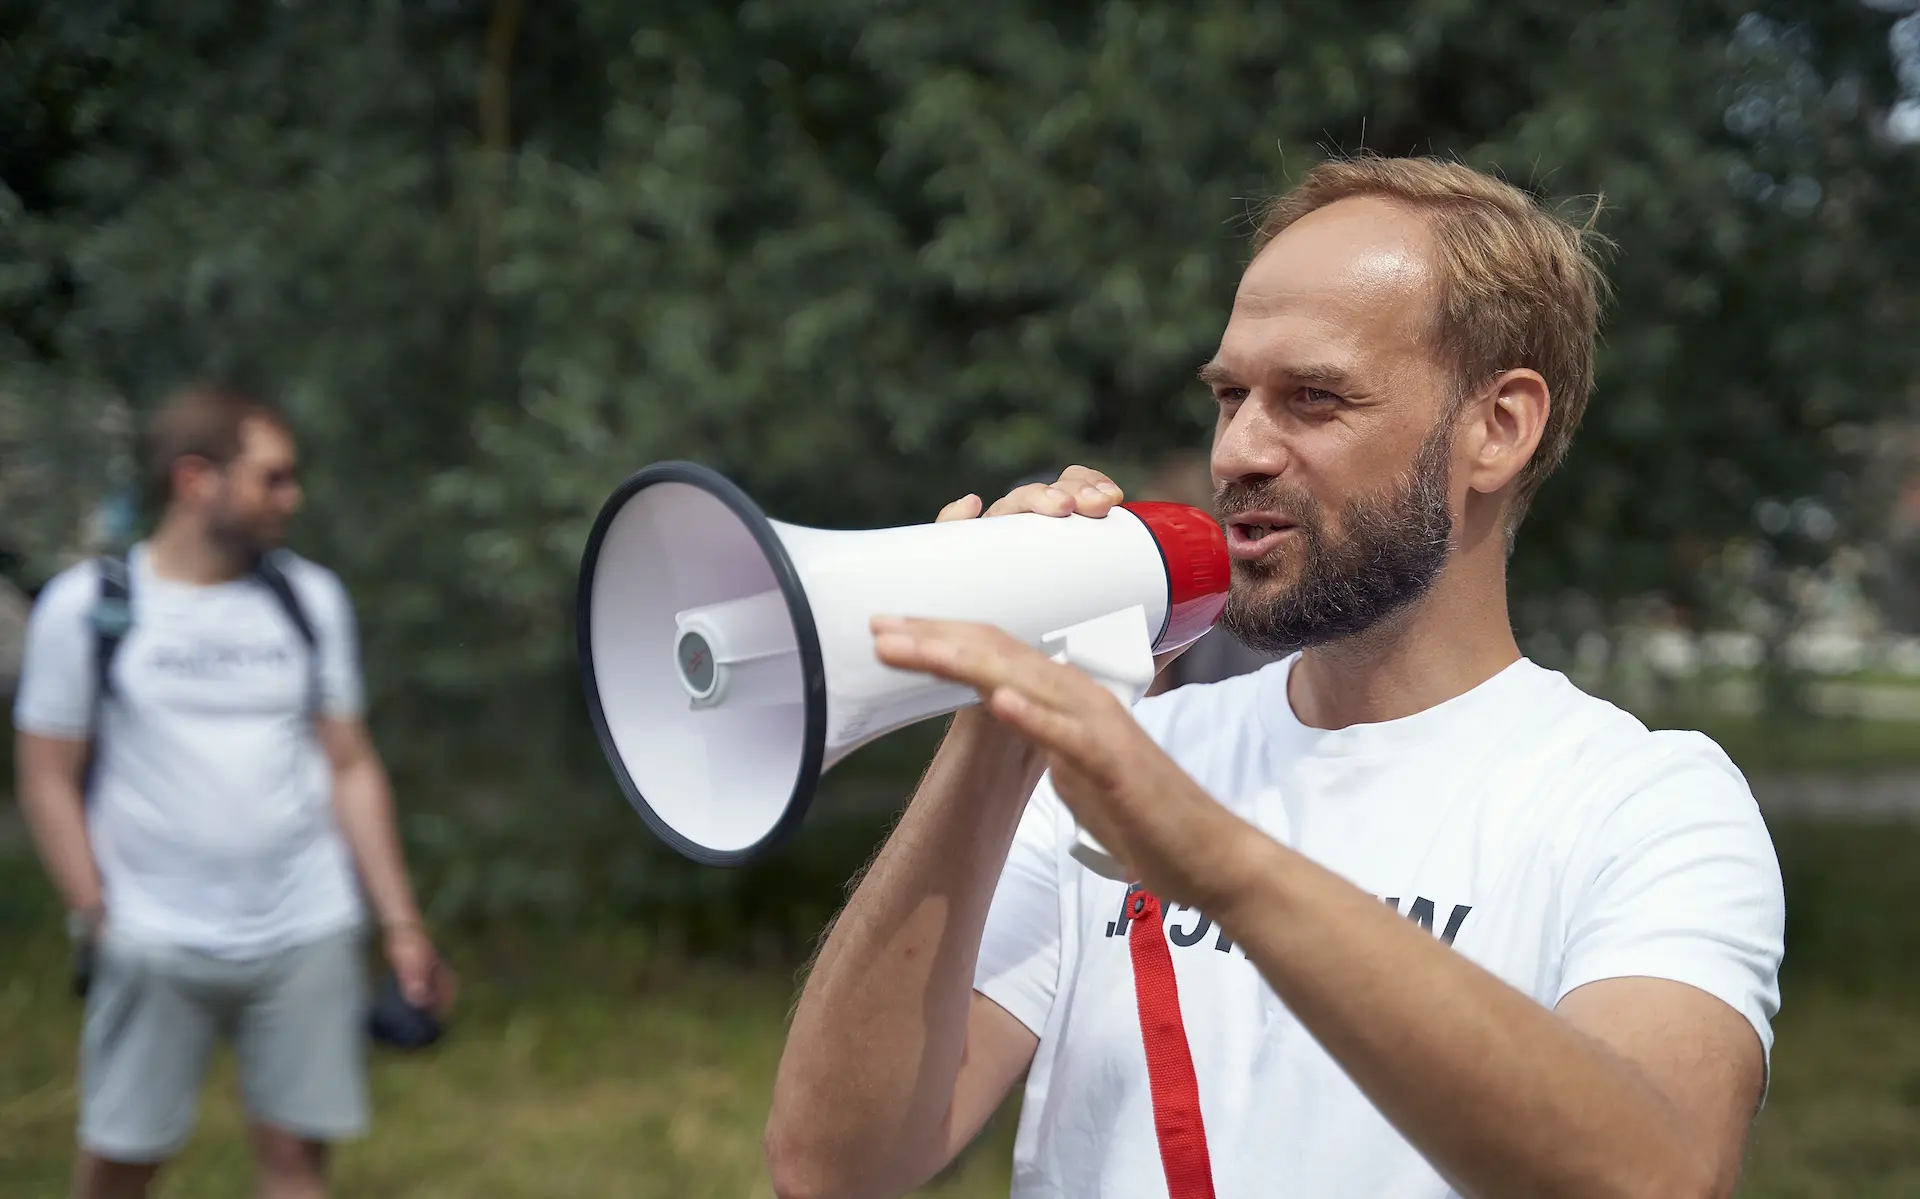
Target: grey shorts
x=297, y=1019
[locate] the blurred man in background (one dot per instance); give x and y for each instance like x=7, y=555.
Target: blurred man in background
x=1415, y=917
x=196, y=775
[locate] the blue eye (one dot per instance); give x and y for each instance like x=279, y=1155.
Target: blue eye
x=1317, y=395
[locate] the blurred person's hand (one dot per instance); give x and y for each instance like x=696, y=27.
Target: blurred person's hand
x=83, y=929
x=425, y=981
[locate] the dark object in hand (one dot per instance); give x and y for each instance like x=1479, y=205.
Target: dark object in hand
x=82, y=968
x=394, y=1022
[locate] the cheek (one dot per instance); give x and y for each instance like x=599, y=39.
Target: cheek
x=1325, y=463
x=1347, y=463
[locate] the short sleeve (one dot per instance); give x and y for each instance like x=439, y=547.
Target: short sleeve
x=1019, y=964
x=337, y=641
x=1684, y=885
x=55, y=697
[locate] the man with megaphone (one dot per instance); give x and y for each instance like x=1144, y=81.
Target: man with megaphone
x=1414, y=916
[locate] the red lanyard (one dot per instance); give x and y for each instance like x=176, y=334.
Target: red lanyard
x=1176, y=1091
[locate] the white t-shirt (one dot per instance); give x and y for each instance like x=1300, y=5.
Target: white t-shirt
x=1545, y=834
x=210, y=811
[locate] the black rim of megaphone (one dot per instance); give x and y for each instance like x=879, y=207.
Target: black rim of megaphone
x=812, y=668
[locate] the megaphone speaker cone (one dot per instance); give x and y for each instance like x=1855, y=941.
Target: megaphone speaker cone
x=714, y=725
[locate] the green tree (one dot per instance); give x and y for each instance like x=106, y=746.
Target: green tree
x=867, y=256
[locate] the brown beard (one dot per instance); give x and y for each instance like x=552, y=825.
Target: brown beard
x=1390, y=551
x=243, y=538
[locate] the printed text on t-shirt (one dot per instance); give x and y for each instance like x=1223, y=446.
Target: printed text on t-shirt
x=1421, y=911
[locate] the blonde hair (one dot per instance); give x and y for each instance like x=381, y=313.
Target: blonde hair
x=1520, y=286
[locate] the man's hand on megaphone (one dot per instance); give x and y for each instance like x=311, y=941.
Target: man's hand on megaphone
x=1123, y=788
x=1079, y=489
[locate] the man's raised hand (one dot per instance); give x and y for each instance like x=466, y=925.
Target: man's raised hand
x=1079, y=489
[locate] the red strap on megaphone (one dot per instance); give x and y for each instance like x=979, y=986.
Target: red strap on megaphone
x=1176, y=1090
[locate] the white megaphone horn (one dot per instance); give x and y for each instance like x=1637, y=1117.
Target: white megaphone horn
x=728, y=658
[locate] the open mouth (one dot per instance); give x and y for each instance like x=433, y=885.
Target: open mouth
x=1248, y=539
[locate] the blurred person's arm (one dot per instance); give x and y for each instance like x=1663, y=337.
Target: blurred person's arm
x=363, y=806
x=894, y=1062
x=53, y=717
x=363, y=799
x=48, y=772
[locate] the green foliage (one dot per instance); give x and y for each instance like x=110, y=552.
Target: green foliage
x=867, y=256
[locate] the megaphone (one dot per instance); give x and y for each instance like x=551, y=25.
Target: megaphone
x=728, y=660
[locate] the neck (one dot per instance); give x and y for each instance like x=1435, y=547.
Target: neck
x=1445, y=644
x=183, y=550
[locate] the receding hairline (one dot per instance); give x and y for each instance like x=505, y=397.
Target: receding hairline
x=269, y=419
x=1403, y=261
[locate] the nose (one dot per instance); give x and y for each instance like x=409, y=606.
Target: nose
x=1249, y=444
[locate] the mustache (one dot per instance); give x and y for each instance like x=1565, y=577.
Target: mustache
x=1269, y=495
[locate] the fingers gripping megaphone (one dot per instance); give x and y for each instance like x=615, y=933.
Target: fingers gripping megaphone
x=728, y=660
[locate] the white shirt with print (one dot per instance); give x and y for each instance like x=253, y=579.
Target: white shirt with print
x=1543, y=833
x=210, y=811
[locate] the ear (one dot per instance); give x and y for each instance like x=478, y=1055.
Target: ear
x=190, y=472
x=1502, y=426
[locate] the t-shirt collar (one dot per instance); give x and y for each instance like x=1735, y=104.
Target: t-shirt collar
x=1451, y=719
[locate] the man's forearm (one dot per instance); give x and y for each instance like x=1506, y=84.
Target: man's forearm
x=363, y=803
x=55, y=815
x=865, y=1084
x=1501, y=1095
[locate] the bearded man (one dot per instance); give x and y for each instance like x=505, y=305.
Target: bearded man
x=1415, y=916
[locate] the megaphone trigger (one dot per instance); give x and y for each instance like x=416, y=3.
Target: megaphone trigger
x=1115, y=649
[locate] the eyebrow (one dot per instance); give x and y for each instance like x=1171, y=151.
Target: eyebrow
x=1324, y=375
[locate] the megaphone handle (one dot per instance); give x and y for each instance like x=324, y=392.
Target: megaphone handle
x=1085, y=850
x=1117, y=652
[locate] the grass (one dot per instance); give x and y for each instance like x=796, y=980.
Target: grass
x=1843, y=1115
x=591, y=1067
x=602, y=1062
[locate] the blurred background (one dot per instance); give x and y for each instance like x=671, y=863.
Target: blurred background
x=867, y=256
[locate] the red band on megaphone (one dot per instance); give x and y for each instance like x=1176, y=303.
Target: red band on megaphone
x=1194, y=548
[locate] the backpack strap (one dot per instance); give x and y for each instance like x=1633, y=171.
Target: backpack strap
x=268, y=572
x=111, y=618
